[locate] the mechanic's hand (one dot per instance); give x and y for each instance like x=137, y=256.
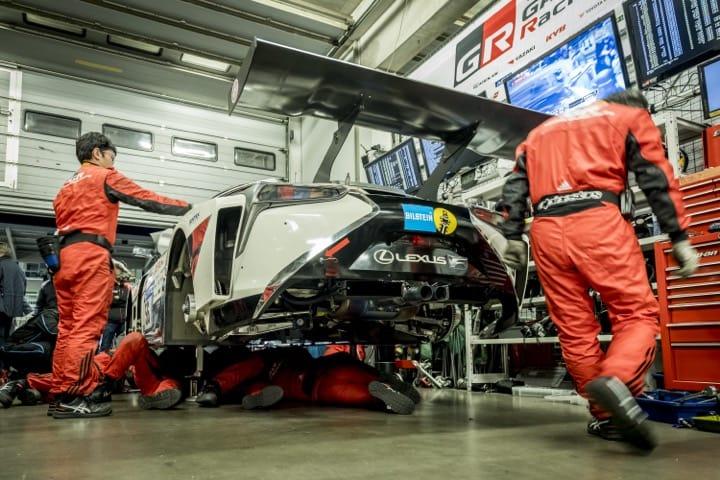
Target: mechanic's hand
x=686, y=256
x=515, y=255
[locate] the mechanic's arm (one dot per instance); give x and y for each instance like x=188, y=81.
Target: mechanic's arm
x=655, y=177
x=119, y=188
x=515, y=194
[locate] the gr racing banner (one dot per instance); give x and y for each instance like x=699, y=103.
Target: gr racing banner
x=507, y=37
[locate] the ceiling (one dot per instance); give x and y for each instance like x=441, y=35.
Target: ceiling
x=96, y=39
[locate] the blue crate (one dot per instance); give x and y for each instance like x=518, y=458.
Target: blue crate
x=662, y=406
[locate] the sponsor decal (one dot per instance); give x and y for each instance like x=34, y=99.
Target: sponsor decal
x=386, y=257
x=556, y=200
x=707, y=253
x=445, y=221
x=418, y=218
x=485, y=44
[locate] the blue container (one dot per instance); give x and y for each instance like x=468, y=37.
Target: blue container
x=663, y=406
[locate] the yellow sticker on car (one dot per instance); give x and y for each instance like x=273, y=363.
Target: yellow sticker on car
x=445, y=221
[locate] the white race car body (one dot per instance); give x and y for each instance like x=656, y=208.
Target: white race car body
x=322, y=262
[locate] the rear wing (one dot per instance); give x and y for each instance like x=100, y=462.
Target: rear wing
x=290, y=82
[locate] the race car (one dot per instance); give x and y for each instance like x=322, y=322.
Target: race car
x=328, y=262
x=324, y=262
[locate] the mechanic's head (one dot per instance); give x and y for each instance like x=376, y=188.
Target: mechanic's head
x=632, y=97
x=95, y=148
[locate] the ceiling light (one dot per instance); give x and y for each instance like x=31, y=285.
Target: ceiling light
x=33, y=19
x=204, y=62
x=134, y=44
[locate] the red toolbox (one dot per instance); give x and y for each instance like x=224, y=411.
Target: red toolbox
x=690, y=316
x=701, y=196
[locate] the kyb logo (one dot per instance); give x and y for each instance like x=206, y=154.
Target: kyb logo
x=489, y=41
x=386, y=257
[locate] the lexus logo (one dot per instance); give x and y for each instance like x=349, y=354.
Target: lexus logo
x=384, y=257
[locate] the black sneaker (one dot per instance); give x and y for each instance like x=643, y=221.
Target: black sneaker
x=29, y=396
x=103, y=393
x=160, y=401
x=81, y=407
x=10, y=391
x=393, y=400
x=403, y=387
x=631, y=421
x=604, y=429
x=267, y=397
x=51, y=408
x=209, y=396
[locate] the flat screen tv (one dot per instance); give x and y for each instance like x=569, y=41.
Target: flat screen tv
x=710, y=87
x=432, y=153
x=397, y=168
x=670, y=36
x=587, y=67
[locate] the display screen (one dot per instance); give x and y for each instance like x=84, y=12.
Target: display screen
x=586, y=68
x=398, y=168
x=710, y=86
x=432, y=152
x=668, y=36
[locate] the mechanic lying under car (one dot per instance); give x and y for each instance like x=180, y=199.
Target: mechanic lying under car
x=291, y=373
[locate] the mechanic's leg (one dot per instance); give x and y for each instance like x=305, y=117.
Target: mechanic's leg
x=571, y=308
x=290, y=379
x=231, y=377
x=91, y=287
x=134, y=351
x=63, y=282
x=617, y=272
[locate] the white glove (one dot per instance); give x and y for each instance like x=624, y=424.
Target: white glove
x=515, y=255
x=686, y=256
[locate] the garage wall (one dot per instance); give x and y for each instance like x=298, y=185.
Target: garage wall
x=45, y=161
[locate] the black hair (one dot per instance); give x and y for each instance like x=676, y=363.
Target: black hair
x=631, y=97
x=89, y=142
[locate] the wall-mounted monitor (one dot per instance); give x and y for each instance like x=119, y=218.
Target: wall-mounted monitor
x=587, y=67
x=710, y=87
x=397, y=168
x=432, y=151
x=670, y=36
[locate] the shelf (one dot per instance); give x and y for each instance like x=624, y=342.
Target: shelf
x=474, y=340
x=487, y=191
x=648, y=242
x=687, y=130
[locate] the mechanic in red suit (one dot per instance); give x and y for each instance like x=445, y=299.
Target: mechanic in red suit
x=156, y=390
x=86, y=214
x=337, y=380
x=573, y=168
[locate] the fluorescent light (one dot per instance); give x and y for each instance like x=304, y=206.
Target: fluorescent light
x=54, y=24
x=204, y=62
x=134, y=44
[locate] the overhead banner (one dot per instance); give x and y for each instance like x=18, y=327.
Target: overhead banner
x=504, y=39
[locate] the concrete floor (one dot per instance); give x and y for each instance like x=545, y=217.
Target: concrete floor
x=452, y=435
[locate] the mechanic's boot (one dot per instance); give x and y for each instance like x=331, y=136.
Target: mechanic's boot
x=29, y=396
x=10, y=391
x=631, y=421
x=403, y=387
x=103, y=393
x=51, y=408
x=604, y=429
x=393, y=400
x=267, y=397
x=209, y=396
x=160, y=400
x=80, y=407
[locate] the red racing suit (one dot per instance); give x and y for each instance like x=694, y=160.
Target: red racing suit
x=133, y=351
x=581, y=241
x=88, y=204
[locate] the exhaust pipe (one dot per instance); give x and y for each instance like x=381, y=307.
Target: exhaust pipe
x=421, y=292
x=441, y=293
